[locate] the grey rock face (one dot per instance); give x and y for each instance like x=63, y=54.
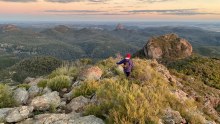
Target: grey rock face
x=91, y=119
x=19, y=114
x=21, y=96
x=33, y=91
x=78, y=103
x=45, y=101
x=3, y=113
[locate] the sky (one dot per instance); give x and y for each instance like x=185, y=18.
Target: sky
x=109, y=10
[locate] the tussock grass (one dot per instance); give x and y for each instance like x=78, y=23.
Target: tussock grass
x=26, y=86
x=42, y=83
x=88, y=88
x=59, y=82
x=6, y=99
x=139, y=99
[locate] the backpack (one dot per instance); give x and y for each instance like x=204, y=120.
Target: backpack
x=127, y=64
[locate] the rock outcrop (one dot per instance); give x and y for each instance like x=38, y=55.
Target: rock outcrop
x=91, y=73
x=45, y=101
x=120, y=27
x=169, y=46
x=21, y=96
x=77, y=103
x=19, y=114
x=3, y=113
x=9, y=28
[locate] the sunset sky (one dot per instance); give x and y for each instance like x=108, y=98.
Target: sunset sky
x=109, y=10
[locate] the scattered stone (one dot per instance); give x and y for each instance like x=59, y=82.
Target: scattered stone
x=19, y=114
x=33, y=91
x=45, y=101
x=91, y=119
x=21, y=96
x=35, y=81
x=78, y=103
x=173, y=117
x=46, y=90
x=181, y=95
x=91, y=73
x=64, y=90
x=68, y=96
x=63, y=104
x=27, y=121
x=3, y=113
x=28, y=80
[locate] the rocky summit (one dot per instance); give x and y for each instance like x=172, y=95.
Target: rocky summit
x=185, y=92
x=169, y=46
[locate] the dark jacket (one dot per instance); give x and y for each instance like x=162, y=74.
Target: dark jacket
x=129, y=68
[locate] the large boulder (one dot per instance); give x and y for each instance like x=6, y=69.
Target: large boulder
x=173, y=117
x=33, y=91
x=91, y=73
x=169, y=46
x=19, y=114
x=91, y=119
x=21, y=96
x=78, y=103
x=3, y=113
x=45, y=101
x=72, y=118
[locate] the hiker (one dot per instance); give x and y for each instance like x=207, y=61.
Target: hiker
x=127, y=64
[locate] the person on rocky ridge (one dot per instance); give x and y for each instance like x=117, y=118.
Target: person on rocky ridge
x=127, y=64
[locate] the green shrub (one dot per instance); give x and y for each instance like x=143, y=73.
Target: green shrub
x=86, y=89
x=59, y=82
x=26, y=86
x=6, y=99
x=204, y=69
x=65, y=70
x=52, y=108
x=42, y=83
x=35, y=66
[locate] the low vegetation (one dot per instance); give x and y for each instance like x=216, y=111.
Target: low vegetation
x=6, y=99
x=118, y=103
x=36, y=66
x=88, y=88
x=201, y=68
x=59, y=82
x=26, y=86
x=42, y=83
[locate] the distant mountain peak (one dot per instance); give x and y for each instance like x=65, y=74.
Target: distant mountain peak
x=62, y=28
x=9, y=28
x=120, y=27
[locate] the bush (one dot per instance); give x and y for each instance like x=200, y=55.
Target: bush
x=26, y=86
x=36, y=66
x=65, y=70
x=42, y=83
x=86, y=89
x=6, y=99
x=204, y=69
x=59, y=82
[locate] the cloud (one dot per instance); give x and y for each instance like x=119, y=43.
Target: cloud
x=83, y=12
x=19, y=0
x=154, y=1
x=58, y=1
x=68, y=1
x=172, y=12
x=73, y=11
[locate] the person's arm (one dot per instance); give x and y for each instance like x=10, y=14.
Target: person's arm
x=122, y=61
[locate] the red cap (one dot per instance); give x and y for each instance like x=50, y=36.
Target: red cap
x=128, y=55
